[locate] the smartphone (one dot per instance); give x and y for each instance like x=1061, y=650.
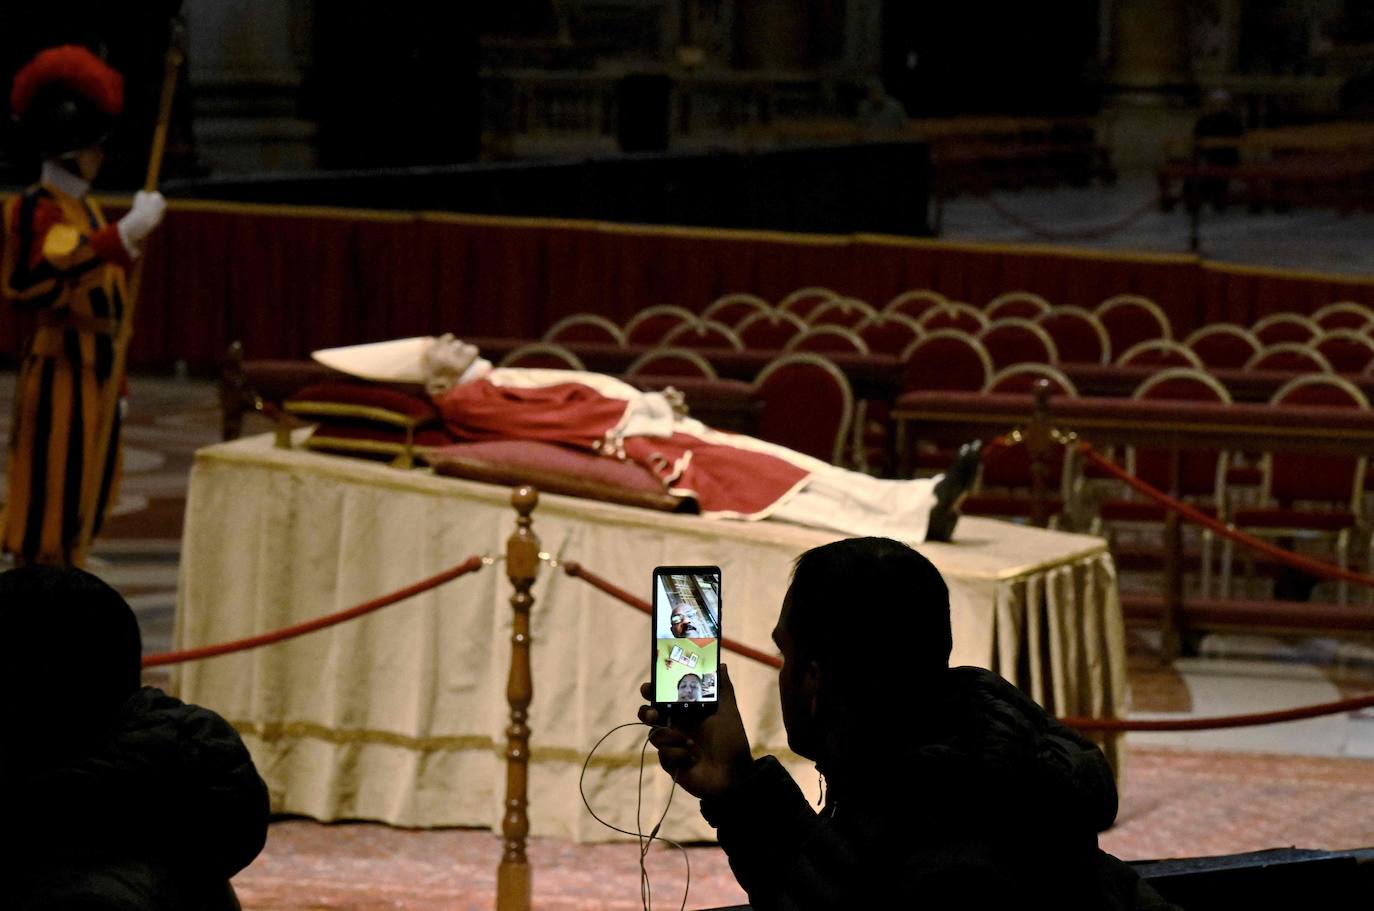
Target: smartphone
x=686, y=640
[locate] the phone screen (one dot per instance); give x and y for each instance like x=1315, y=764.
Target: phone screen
x=686, y=636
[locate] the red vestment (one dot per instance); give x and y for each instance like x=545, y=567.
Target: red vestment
x=720, y=471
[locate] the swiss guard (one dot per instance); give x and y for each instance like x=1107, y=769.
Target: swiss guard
x=66, y=264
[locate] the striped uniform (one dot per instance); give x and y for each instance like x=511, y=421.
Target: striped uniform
x=63, y=261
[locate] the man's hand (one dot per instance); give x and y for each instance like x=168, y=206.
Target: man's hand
x=710, y=758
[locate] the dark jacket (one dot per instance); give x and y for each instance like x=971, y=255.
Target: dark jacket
x=159, y=813
x=985, y=801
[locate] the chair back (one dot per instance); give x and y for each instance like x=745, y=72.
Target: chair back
x=1131, y=319
x=733, y=309
x=1022, y=378
x=1346, y=350
x=807, y=405
x=889, y=333
x=1289, y=357
x=1200, y=472
x=1309, y=476
x=1015, y=340
x=1344, y=315
x=946, y=359
x=1278, y=328
x=804, y=301
x=706, y=334
x=915, y=303
x=650, y=325
x=847, y=312
x=1079, y=336
x=828, y=338
x=954, y=316
x=1223, y=346
x=769, y=331
x=671, y=362
x=585, y=327
x=544, y=355
x=1021, y=304
x=1159, y=352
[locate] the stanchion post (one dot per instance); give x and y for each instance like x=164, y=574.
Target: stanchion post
x=1039, y=446
x=522, y=564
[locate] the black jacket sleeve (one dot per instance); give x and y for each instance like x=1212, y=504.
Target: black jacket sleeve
x=782, y=852
x=173, y=782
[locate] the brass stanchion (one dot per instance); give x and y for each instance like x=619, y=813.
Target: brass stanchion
x=522, y=564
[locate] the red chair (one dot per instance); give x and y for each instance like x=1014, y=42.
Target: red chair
x=1021, y=378
x=542, y=354
x=707, y=334
x=954, y=316
x=1223, y=345
x=1021, y=304
x=769, y=331
x=915, y=303
x=807, y=405
x=804, y=301
x=1005, y=482
x=1344, y=315
x=1346, y=350
x=1278, y=328
x=585, y=327
x=946, y=359
x=1201, y=473
x=733, y=309
x=1292, y=479
x=1159, y=352
x=1014, y=340
x=1289, y=357
x=671, y=362
x=828, y=338
x=847, y=312
x=1079, y=336
x=1131, y=319
x=889, y=333
x=652, y=324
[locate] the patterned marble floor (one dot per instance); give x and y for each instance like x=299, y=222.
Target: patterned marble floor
x=1298, y=784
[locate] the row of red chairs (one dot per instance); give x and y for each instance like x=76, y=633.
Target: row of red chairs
x=1288, y=494
x=1019, y=321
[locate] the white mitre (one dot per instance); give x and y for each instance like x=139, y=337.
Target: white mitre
x=401, y=360
x=437, y=363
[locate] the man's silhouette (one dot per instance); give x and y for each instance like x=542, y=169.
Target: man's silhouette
x=946, y=787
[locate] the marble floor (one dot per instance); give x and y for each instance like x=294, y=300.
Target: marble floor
x=1305, y=239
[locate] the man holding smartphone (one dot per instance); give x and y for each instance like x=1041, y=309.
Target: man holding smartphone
x=945, y=786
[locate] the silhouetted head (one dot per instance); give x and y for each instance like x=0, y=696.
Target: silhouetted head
x=865, y=636
x=72, y=658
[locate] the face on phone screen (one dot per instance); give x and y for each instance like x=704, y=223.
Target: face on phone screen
x=686, y=635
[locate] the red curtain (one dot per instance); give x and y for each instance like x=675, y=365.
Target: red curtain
x=285, y=281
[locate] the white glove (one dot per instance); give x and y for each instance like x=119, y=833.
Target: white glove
x=146, y=214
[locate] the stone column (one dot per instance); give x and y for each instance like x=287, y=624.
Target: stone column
x=1150, y=81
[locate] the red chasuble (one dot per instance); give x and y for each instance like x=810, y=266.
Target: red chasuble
x=722, y=472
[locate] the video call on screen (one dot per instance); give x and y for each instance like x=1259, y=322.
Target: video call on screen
x=687, y=627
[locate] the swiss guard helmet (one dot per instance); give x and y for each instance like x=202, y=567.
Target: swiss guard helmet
x=65, y=99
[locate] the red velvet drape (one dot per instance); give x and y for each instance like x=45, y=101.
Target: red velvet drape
x=287, y=280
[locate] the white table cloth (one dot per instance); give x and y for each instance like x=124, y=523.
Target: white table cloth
x=400, y=716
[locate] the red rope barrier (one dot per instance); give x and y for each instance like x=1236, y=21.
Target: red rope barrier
x=1297, y=561
x=1219, y=722
x=577, y=572
x=470, y=565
